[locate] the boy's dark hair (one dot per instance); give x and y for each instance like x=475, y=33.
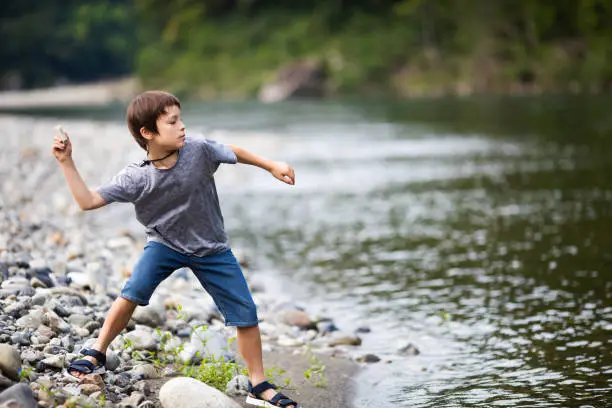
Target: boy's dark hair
x=144, y=110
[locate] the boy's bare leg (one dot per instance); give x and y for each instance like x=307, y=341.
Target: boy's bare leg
x=118, y=317
x=249, y=346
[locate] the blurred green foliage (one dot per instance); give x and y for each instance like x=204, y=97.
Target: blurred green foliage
x=45, y=42
x=230, y=47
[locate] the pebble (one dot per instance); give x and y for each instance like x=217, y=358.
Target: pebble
x=10, y=361
x=408, y=350
x=54, y=361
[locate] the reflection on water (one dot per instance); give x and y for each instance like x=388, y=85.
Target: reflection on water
x=485, y=243
x=478, y=230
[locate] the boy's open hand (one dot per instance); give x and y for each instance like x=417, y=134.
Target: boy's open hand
x=62, y=150
x=283, y=172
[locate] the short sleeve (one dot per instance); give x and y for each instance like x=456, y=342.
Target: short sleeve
x=220, y=153
x=214, y=153
x=123, y=188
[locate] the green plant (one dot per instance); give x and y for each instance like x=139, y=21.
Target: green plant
x=24, y=373
x=316, y=372
x=102, y=400
x=276, y=375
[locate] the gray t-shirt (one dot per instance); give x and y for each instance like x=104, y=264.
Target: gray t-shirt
x=179, y=206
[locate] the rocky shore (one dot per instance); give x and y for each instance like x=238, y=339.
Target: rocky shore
x=93, y=94
x=60, y=271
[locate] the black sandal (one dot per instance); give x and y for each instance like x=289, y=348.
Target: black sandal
x=85, y=366
x=278, y=400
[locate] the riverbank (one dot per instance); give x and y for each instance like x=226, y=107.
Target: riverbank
x=62, y=268
x=94, y=94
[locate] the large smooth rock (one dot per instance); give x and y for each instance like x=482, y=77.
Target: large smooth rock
x=10, y=361
x=18, y=396
x=185, y=392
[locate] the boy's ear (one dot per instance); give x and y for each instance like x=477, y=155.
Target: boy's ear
x=146, y=133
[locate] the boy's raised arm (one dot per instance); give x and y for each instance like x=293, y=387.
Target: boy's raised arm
x=282, y=171
x=86, y=198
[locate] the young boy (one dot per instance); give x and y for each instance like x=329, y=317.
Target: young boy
x=175, y=198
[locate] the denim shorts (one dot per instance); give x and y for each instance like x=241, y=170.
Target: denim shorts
x=219, y=273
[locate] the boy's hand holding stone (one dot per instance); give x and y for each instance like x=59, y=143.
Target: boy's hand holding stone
x=62, y=148
x=283, y=172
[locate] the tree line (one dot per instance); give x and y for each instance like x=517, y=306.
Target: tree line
x=232, y=46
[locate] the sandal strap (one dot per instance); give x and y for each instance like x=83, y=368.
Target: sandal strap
x=262, y=387
x=82, y=366
x=277, y=397
x=101, y=357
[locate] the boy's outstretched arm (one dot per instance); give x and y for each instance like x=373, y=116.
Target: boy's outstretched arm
x=86, y=198
x=282, y=171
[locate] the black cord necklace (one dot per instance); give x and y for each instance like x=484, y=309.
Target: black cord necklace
x=147, y=161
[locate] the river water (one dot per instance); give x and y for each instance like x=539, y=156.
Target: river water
x=479, y=230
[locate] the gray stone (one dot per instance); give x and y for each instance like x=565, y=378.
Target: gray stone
x=32, y=356
x=78, y=320
x=326, y=326
x=92, y=326
x=408, y=350
x=39, y=299
x=56, y=323
x=89, y=389
x=68, y=343
x=142, y=340
x=144, y=371
x=5, y=382
x=15, y=283
x=184, y=392
x=368, y=358
x=40, y=339
x=54, y=361
x=343, y=339
x=112, y=360
x=122, y=380
x=238, y=386
x=143, y=387
x=133, y=401
x=37, y=283
x=61, y=290
x=17, y=307
x=10, y=361
x=21, y=338
x=293, y=317
x=46, y=331
x=32, y=320
x=80, y=332
x=147, y=316
x=27, y=291
x=18, y=396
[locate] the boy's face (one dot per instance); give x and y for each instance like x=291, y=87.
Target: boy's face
x=170, y=128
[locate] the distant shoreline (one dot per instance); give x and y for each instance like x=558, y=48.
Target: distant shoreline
x=82, y=95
